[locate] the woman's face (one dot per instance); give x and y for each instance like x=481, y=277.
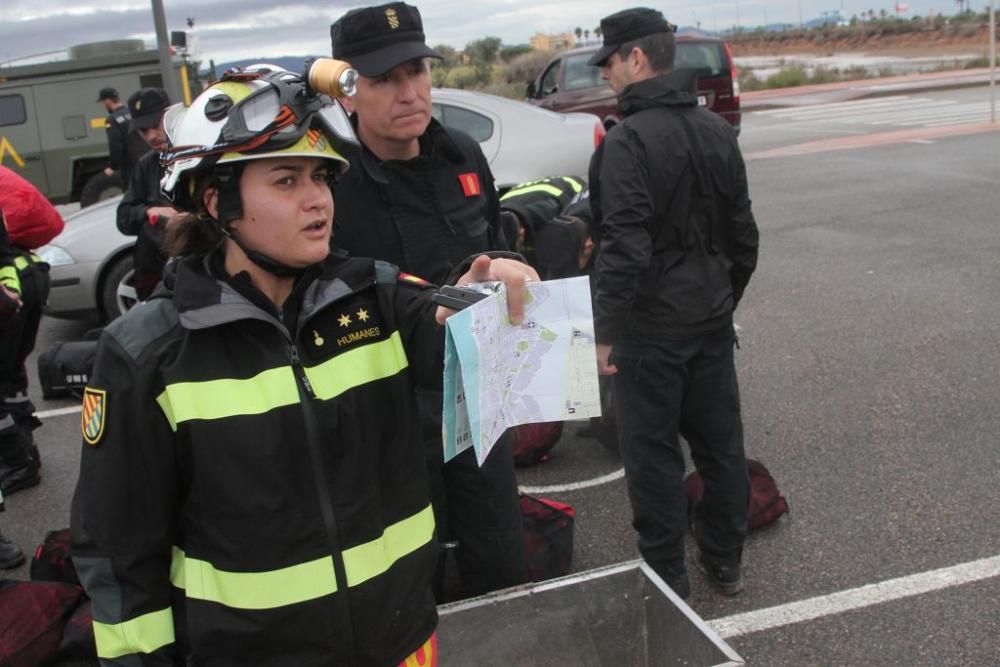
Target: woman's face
x=287, y=209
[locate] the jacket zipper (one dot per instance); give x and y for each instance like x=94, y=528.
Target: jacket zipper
x=306, y=396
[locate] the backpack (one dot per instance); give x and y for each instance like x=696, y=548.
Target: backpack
x=531, y=442
x=64, y=369
x=52, y=561
x=32, y=221
x=766, y=503
x=548, y=537
x=32, y=617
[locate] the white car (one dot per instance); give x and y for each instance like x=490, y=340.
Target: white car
x=92, y=261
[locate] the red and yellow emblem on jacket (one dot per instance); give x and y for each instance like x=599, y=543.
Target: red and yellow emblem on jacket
x=470, y=184
x=95, y=408
x=425, y=656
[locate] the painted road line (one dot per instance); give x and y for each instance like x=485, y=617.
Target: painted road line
x=575, y=486
x=856, y=598
x=59, y=411
x=837, y=105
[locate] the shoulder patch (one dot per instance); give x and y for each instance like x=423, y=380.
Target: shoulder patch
x=414, y=280
x=92, y=418
x=470, y=184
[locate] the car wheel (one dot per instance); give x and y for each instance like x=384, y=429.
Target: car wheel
x=117, y=291
x=100, y=186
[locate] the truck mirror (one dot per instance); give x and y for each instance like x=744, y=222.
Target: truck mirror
x=531, y=89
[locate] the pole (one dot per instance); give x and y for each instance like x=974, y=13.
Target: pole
x=800, y=13
x=993, y=63
x=163, y=46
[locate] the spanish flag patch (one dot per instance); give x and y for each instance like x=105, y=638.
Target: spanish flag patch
x=470, y=184
x=412, y=279
x=95, y=408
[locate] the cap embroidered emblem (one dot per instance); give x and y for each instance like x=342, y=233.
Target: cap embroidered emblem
x=138, y=105
x=390, y=14
x=317, y=339
x=345, y=320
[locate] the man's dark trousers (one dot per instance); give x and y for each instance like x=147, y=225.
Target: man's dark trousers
x=682, y=386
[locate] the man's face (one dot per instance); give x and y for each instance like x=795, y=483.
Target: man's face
x=156, y=136
x=617, y=72
x=396, y=106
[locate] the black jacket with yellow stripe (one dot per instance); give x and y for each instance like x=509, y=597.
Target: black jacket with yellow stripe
x=253, y=493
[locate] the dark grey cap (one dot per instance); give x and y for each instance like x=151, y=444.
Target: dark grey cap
x=625, y=26
x=376, y=39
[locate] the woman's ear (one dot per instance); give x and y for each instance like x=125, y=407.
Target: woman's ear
x=211, y=201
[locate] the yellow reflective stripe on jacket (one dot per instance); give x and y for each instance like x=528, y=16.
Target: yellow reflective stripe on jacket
x=142, y=634
x=9, y=278
x=253, y=590
x=541, y=187
x=367, y=561
x=276, y=387
x=357, y=367
x=21, y=262
x=217, y=399
x=303, y=582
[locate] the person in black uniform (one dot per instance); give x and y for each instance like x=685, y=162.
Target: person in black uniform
x=422, y=196
x=252, y=487
x=678, y=243
x=11, y=555
x=125, y=147
x=144, y=212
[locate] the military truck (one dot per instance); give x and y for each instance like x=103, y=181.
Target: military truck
x=52, y=129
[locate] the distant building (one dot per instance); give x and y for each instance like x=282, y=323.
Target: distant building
x=540, y=42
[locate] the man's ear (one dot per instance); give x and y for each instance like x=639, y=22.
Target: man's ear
x=348, y=104
x=211, y=201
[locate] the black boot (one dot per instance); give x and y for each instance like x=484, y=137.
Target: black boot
x=20, y=407
x=18, y=468
x=11, y=555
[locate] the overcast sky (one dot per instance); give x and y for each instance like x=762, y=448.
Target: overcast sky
x=236, y=29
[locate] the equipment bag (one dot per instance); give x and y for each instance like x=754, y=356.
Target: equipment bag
x=52, y=561
x=548, y=537
x=65, y=368
x=531, y=443
x=32, y=617
x=766, y=502
x=77, y=642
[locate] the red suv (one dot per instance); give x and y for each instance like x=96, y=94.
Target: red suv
x=568, y=83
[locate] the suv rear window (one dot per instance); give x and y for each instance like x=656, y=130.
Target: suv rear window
x=580, y=75
x=707, y=57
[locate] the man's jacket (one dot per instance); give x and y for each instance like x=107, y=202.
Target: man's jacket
x=678, y=241
x=252, y=487
x=425, y=215
x=144, y=193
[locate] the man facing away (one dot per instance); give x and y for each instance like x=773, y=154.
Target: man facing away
x=678, y=243
x=422, y=197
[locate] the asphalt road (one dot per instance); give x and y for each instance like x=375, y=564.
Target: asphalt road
x=869, y=363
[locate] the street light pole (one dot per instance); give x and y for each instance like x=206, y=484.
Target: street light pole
x=163, y=46
x=993, y=62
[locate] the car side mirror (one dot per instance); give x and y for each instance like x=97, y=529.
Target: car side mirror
x=531, y=89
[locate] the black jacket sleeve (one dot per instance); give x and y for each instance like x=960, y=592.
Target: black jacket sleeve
x=122, y=517
x=423, y=337
x=116, y=144
x=743, y=235
x=138, y=198
x=626, y=245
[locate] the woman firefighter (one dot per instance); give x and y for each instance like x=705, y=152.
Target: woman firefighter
x=252, y=487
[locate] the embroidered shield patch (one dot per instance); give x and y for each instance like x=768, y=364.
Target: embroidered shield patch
x=95, y=408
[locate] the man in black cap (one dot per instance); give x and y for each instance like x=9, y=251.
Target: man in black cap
x=124, y=147
x=143, y=211
x=422, y=196
x=678, y=243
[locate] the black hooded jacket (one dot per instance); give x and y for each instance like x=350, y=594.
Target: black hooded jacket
x=678, y=241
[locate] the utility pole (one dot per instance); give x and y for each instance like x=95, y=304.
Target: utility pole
x=993, y=63
x=800, y=13
x=163, y=46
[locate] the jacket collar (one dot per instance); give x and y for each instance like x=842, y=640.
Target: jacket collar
x=203, y=300
x=435, y=143
x=675, y=89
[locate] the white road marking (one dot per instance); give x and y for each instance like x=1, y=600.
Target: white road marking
x=856, y=598
x=575, y=486
x=59, y=411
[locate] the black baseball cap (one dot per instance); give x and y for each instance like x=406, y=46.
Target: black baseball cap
x=107, y=94
x=146, y=107
x=625, y=26
x=376, y=39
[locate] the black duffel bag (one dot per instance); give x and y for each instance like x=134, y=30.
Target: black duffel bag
x=64, y=369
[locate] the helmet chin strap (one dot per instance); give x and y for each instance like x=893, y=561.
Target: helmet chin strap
x=231, y=208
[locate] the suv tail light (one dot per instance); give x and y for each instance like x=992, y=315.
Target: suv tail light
x=733, y=73
x=599, y=133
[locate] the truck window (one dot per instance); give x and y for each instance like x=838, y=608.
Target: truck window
x=475, y=125
x=580, y=75
x=151, y=81
x=12, y=111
